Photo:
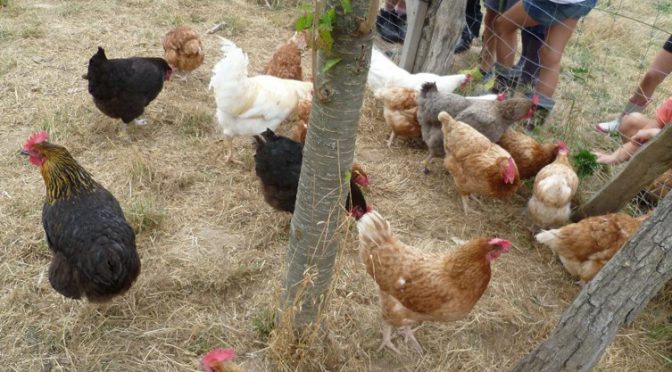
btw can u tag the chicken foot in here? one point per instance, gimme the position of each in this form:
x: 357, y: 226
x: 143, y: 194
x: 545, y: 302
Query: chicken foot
x: 387, y: 339
x: 407, y: 331
x: 425, y: 163
x: 140, y: 122
x: 229, y: 155
x: 389, y: 140
x: 123, y: 132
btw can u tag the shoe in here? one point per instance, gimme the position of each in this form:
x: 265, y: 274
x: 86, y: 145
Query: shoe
x: 504, y: 84
x: 463, y: 45
x: 608, y: 126
x: 538, y: 119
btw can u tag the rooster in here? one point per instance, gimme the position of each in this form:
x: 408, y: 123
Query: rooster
x: 417, y: 286
x: 477, y: 165
x: 586, y: 246
x: 249, y: 105
x: 183, y: 49
x: 400, y: 112
x: 122, y: 87
x: 383, y: 73
x: 278, y: 165
x: 286, y: 61
x: 554, y: 188
x: 93, y: 245
x: 530, y: 155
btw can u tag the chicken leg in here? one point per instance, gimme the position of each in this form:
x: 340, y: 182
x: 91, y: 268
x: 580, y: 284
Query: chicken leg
x: 387, y: 339
x: 389, y: 141
x: 229, y: 155
x: 123, y: 132
x: 407, y: 331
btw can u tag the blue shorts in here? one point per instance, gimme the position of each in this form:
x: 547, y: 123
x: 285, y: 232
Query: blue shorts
x: 494, y: 5
x: 548, y: 13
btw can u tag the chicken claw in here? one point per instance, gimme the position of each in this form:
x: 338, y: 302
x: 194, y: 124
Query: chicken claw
x: 123, y: 133
x: 387, y: 339
x: 389, y: 141
x: 407, y: 331
x: 140, y: 122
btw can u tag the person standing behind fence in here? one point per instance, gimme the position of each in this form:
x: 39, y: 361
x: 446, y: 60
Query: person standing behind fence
x: 472, y: 28
x: 391, y: 21
x: 560, y: 18
x: 660, y: 68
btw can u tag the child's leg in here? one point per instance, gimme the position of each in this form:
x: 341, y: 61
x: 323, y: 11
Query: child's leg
x: 487, y: 57
x: 633, y: 123
x: 624, y: 153
x: 658, y: 71
x: 506, y: 26
x: 557, y: 36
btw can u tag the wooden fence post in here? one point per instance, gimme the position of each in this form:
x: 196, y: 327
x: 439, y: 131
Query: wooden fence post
x: 416, y: 10
x: 643, y: 168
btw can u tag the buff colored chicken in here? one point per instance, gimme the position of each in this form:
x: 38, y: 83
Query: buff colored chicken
x: 477, y: 165
x: 586, y: 246
x: 530, y: 155
x: 417, y: 286
x: 286, y: 61
x: 247, y: 106
x: 554, y: 188
x: 183, y: 50
x: 400, y: 111
x: 300, y: 129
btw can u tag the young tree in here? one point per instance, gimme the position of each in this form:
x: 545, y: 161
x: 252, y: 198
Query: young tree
x: 614, y: 297
x: 442, y: 28
x: 340, y: 79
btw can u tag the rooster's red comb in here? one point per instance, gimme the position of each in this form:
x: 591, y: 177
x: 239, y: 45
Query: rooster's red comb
x: 535, y: 100
x: 36, y: 138
x: 501, y: 96
x: 500, y: 242
x: 217, y: 356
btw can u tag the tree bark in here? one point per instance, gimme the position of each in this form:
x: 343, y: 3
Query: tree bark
x: 315, y: 230
x: 614, y: 297
x: 645, y: 166
x: 443, y: 27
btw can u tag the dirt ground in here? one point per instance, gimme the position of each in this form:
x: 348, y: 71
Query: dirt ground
x: 212, y: 251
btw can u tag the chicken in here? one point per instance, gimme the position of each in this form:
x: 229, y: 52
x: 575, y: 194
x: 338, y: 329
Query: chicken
x: 530, y: 155
x: 493, y: 118
x: 400, y: 112
x: 93, y: 245
x: 417, y: 286
x: 300, y: 129
x: 183, y: 50
x: 554, y: 188
x: 383, y: 73
x: 249, y: 105
x: 661, y: 186
x: 122, y: 87
x: 278, y: 165
x: 584, y: 247
x: 220, y: 360
x: 431, y: 102
x: 286, y: 61
x: 477, y: 165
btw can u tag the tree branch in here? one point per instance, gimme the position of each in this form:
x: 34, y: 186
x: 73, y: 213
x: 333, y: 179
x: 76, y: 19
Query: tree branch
x: 366, y: 26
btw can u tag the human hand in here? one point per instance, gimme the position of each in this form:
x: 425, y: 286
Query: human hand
x: 644, y: 135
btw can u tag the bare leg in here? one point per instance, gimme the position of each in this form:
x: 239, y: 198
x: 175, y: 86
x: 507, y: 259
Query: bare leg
x: 487, y: 57
x: 660, y: 68
x: 550, y: 55
x: 409, y: 336
x: 389, y: 141
x: 506, y: 27
x: 387, y: 338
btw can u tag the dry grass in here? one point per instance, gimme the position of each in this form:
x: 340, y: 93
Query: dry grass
x: 212, y: 250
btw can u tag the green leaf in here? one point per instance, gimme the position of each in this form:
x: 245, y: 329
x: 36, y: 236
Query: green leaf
x: 347, y: 177
x: 347, y: 6
x: 323, y: 27
x: 585, y: 163
x: 304, y: 22
x: 307, y: 7
x: 330, y: 15
x: 327, y: 40
x: 329, y: 64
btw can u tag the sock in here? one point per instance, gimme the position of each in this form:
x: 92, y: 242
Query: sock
x: 504, y: 71
x: 631, y: 107
x: 545, y: 102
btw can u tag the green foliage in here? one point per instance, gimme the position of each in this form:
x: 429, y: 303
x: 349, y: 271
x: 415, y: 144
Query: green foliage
x: 580, y: 73
x: 325, y: 25
x: 347, y: 6
x: 263, y: 323
x: 585, y: 163
x: 330, y: 63
x: 664, y: 6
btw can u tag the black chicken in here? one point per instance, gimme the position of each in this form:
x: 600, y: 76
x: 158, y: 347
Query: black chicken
x: 121, y: 88
x: 93, y: 245
x: 278, y: 166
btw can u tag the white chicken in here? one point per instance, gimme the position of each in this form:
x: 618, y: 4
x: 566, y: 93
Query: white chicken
x: 249, y: 105
x: 554, y: 188
x: 384, y: 73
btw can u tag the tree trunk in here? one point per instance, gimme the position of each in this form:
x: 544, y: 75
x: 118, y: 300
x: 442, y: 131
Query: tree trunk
x: 315, y: 230
x: 443, y: 27
x: 614, y: 297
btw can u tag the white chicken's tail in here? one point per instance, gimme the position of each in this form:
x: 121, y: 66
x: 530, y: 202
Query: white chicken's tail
x: 382, y: 71
x: 374, y: 230
x: 230, y: 70
x: 548, y: 237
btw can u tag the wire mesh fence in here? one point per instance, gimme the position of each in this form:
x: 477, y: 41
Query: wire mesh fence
x: 619, y: 56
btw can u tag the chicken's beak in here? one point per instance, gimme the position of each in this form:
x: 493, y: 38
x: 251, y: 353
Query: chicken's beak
x: 24, y: 152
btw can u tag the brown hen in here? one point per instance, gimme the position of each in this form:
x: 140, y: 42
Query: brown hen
x: 183, y: 49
